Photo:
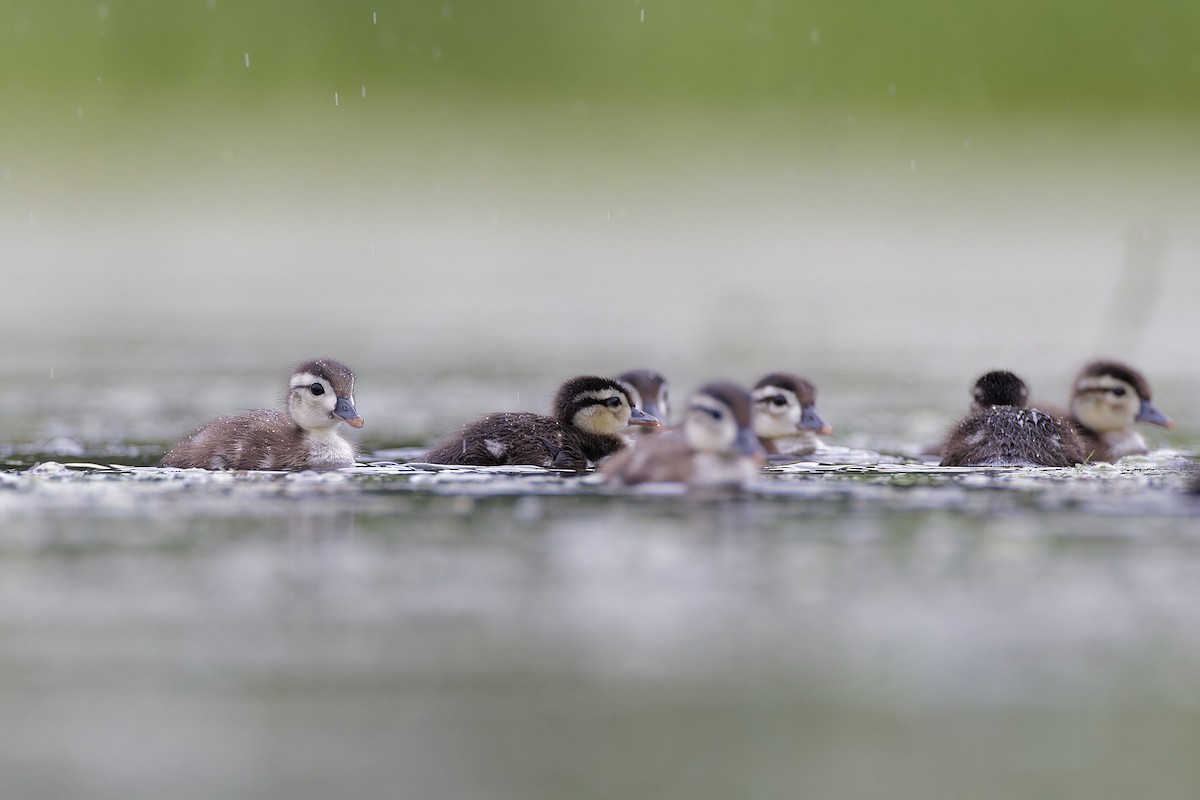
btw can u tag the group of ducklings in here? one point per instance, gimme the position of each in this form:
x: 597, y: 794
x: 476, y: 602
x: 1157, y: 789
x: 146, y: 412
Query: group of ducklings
x: 619, y: 425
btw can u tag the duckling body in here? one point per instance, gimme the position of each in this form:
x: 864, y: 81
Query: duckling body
x: 649, y: 392
x: 589, y: 414
x: 320, y: 396
x: 785, y: 415
x: 1107, y: 400
x: 714, y: 447
x: 999, y: 431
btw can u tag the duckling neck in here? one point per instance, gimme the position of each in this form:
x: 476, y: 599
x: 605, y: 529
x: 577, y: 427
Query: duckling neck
x: 327, y: 446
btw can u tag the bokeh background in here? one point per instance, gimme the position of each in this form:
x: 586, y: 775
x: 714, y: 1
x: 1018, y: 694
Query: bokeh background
x: 468, y: 201
x: 474, y: 199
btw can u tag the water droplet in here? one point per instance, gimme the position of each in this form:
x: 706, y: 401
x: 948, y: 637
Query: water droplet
x: 814, y: 36
x: 79, y: 112
x: 912, y: 165
x: 336, y: 102
x: 364, y: 91
x: 247, y: 58
x: 374, y: 17
x: 892, y: 89
x: 102, y: 11
x: 643, y: 19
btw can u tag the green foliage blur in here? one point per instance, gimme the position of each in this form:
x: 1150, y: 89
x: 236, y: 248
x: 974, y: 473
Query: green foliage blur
x: 1099, y: 58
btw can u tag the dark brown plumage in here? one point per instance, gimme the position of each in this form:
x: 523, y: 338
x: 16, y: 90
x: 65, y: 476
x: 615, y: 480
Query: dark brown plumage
x: 589, y: 413
x: 320, y: 396
x: 1007, y: 435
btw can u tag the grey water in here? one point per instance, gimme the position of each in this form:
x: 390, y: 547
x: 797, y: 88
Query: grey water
x: 852, y: 627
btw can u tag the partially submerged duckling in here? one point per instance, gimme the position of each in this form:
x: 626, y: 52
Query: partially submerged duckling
x: 1108, y: 398
x: 649, y: 392
x: 589, y: 414
x: 785, y: 415
x: 1000, y: 431
x: 714, y: 447
x: 320, y: 396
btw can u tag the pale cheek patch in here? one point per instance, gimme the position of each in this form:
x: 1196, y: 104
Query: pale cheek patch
x: 497, y: 449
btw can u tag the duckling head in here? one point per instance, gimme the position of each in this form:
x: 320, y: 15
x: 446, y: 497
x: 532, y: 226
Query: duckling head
x: 1111, y: 396
x: 1000, y: 388
x: 598, y: 406
x: 648, y: 391
x: 321, y: 395
x: 784, y: 405
x: 720, y: 421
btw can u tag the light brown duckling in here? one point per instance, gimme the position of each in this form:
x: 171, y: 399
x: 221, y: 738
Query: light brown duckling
x: 1107, y: 400
x: 714, y: 447
x: 649, y: 392
x: 589, y: 414
x: 1000, y: 431
x: 320, y: 396
x: 785, y: 415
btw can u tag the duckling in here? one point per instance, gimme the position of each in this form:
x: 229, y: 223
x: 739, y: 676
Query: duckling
x: 785, y: 415
x: 714, y: 447
x: 1000, y: 431
x: 589, y: 414
x: 320, y: 396
x: 649, y: 392
x: 1107, y: 400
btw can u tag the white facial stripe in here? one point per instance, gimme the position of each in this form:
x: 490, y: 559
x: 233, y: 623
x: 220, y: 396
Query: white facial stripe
x: 764, y: 393
x: 601, y: 394
x: 1102, y: 383
x: 308, y: 379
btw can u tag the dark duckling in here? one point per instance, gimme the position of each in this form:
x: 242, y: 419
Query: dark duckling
x: 1107, y: 400
x: 1000, y: 431
x: 714, y: 447
x: 649, y: 392
x: 785, y: 415
x: 320, y: 396
x: 589, y: 414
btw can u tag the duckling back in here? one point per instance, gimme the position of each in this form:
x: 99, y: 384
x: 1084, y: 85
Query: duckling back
x: 1012, y: 437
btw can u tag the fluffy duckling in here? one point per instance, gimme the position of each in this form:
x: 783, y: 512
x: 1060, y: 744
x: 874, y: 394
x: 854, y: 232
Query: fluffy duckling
x: 589, y: 414
x: 714, y: 447
x: 320, y: 396
x: 1107, y: 400
x: 785, y: 415
x: 649, y: 393
x: 1000, y: 431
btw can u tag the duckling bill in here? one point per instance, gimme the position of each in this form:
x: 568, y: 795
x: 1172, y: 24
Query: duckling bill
x: 320, y: 396
x: 650, y: 393
x: 589, y: 414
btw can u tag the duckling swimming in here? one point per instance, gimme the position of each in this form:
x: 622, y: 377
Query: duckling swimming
x: 589, y: 414
x: 649, y: 393
x: 785, y: 415
x: 1000, y: 431
x: 715, y: 446
x: 1107, y: 400
x: 320, y: 396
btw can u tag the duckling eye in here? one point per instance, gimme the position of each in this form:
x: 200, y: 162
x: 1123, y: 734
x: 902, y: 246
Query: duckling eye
x: 317, y: 389
x: 1118, y: 391
x: 779, y: 400
x: 613, y: 402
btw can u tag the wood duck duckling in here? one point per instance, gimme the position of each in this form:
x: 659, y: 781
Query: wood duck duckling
x: 1000, y: 431
x: 589, y: 414
x: 320, y: 396
x: 714, y: 447
x: 785, y: 415
x: 649, y: 392
x: 1107, y: 400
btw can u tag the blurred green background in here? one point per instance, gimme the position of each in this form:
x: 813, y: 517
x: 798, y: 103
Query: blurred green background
x: 535, y: 188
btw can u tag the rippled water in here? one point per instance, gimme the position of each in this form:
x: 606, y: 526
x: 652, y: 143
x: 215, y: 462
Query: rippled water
x: 842, y: 630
